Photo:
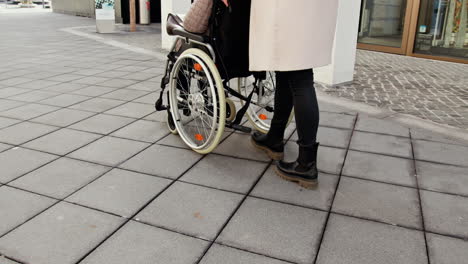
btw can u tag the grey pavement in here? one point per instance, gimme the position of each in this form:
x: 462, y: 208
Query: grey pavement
x: 90, y: 174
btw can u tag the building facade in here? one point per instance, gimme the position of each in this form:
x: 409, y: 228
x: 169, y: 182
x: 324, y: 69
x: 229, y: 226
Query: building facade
x: 435, y: 29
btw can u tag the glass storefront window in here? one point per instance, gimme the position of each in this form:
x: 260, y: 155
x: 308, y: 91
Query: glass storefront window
x: 443, y: 28
x: 382, y: 22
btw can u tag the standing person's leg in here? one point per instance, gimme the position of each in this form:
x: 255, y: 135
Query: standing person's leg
x: 304, y: 170
x: 272, y: 143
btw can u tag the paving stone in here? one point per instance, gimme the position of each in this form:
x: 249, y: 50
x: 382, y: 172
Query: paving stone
x: 17, y: 206
x: 143, y: 130
x: 239, y: 145
x: 23, y: 132
x: 380, y: 168
x: 60, y: 178
x: 12, y: 91
x: 18, y: 161
x: 8, y: 104
x: 102, y: 124
x: 375, y: 125
x: 227, y: 255
x: 337, y: 120
x: 443, y: 178
x: 378, y: 201
x: 148, y: 99
x: 382, y: 144
x: 61, y: 235
x: 329, y: 160
x: 28, y: 111
x: 62, y: 141
x: 63, y: 117
x: 37, y: 84
x: 4, y: 122
x: 139, y: 243
x: 175, y: 140
x: 94, y: 90
x: 272, y: 187
x: 33, y: 96
x: 332, y: 137
x: 273, y: 229
x: 124, y: 94
x: 355, y: 241
x: 117, y: 83
x: 90, y: 80
x: 15, y: 81
x: 97, y: 105
x: 135, y: 110
x: 132, y: 68
x: 120, y: 192
x: 333, y: 108
x: 446, y: 250
x: 89, y: 72
x: 162, y: 161
x: 66, y: 87
x: 191, y: 209
x: 139, y: 76
x: 4, y: 260
x: 145, y: 86
x: 445, y: 213
x: 65, y: 100
x: 157, y: 116
x: 225, y: 173
x: 431, y: 136
x: 113, y: 73
x: 439, y: 152
x: 109, y: 151
x: 4, y: 147
x: 172, y: 140
x: 67, y: 77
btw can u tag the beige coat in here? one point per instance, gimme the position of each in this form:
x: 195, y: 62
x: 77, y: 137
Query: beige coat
x: 287, y: 35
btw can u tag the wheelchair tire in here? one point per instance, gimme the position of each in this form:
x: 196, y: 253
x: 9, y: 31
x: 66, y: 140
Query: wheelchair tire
x: 170, y: 124
x: 197, y: 99
x: 258, y: 113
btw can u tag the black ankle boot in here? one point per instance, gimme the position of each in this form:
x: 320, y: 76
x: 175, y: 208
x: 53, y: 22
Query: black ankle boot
x: 304, y: 170
x: 272, y: 145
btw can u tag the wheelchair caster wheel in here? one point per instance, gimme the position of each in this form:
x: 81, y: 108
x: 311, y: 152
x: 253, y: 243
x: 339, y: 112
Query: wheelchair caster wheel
x: 230, y: 110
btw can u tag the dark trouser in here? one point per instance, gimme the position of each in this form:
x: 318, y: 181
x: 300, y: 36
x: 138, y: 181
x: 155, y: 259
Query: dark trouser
x: 296, y: 88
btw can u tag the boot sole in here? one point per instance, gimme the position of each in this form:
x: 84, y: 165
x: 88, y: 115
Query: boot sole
x: 273, y: 155
x: 307, y: 184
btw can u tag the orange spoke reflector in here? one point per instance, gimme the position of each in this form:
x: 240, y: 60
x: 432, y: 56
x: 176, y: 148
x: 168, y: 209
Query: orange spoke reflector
x: 262, y: 116
x: 197, y: 67
x: 199, y: 137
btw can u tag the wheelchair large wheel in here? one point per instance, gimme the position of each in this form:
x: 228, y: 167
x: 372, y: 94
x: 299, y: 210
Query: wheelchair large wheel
x: 260, y: 112
x: 197, y: 101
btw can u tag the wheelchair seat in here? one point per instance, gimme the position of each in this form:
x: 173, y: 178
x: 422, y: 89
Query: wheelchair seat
x: 175, y: 27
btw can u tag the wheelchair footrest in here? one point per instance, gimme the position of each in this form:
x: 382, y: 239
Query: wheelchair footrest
x: 240, y: 128
x: 159, y: 105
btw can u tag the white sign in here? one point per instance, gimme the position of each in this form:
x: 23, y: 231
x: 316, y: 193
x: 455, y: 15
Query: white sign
x: 105, y: 14
x: 105, y: 10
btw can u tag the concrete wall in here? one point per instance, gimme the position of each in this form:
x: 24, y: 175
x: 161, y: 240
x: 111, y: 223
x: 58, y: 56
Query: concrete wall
x: 82, y: 8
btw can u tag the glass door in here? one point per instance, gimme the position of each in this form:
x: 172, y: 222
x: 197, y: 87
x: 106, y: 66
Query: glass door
x: 442, y: 29
x: 384, y: 25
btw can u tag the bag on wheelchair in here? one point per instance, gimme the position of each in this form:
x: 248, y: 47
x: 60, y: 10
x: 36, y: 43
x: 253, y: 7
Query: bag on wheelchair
x: 230, y: 34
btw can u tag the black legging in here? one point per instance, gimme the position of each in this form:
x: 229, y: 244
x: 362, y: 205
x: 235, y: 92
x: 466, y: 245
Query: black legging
x: 296, y: 88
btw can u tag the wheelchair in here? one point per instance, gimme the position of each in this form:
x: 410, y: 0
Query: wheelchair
x: 202, y: 96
